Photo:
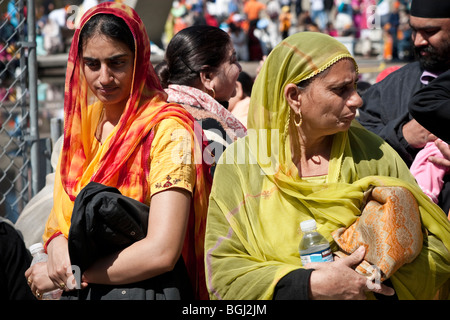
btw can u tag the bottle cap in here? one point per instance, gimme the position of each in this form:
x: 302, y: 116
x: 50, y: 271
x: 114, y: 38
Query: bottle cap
x: 35, y: 248
x: 308, y: 225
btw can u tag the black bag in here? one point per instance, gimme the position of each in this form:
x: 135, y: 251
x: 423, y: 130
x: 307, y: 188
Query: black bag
x: 105, y: 221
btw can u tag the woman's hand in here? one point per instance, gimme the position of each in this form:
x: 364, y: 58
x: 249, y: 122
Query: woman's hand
x: 59, y: 267
x: 337, y: 280
x: 38, y: 279
x: 445, y: 150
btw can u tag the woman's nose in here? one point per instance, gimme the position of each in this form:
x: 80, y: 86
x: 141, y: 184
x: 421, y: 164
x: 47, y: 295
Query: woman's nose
x: 105, y: 75
x: 355, y: 100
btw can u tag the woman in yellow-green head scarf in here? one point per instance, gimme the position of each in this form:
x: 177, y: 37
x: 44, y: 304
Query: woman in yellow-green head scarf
x: 306, y: 158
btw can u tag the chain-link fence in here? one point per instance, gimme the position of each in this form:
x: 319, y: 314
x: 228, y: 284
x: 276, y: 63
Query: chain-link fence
x: 22, y: 153
x: 25, y: 148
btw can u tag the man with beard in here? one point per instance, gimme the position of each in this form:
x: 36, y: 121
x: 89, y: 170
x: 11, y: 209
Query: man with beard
x: 385, y: 109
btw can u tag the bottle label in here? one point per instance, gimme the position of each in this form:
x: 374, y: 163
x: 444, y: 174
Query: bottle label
x: 319, y: 256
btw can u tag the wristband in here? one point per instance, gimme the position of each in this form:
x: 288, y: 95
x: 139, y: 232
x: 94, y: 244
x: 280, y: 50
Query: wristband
x: 56, y: 234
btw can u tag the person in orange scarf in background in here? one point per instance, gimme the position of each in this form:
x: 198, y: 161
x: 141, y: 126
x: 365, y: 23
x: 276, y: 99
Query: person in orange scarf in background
x: 253, y: 8
x: 129, y: 138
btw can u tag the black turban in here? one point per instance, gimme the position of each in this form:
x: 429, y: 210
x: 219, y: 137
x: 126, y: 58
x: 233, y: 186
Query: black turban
x: 430, y: 8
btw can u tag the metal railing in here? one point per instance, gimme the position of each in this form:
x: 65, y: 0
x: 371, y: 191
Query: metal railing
x: 23, y: 155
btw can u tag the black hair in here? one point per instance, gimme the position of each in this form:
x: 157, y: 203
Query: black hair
x: 192, y: 50
x: 108, y: 25
x: 306, y: 83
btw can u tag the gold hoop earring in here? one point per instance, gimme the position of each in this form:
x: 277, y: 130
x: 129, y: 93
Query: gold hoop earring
x: 300, y: 121
x: 213, y: 93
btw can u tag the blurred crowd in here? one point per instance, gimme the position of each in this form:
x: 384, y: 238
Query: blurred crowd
x: 256, y: 26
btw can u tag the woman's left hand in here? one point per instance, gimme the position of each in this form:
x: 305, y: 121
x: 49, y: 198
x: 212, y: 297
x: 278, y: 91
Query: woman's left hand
x: 38, y: 279
x: 339, y: 281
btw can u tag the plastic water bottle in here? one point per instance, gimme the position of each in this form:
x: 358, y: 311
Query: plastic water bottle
x: 313, y: 247
x: 39, y: 255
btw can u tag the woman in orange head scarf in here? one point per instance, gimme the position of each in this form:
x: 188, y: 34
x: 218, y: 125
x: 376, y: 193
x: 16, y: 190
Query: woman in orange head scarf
x: 120, y: 132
